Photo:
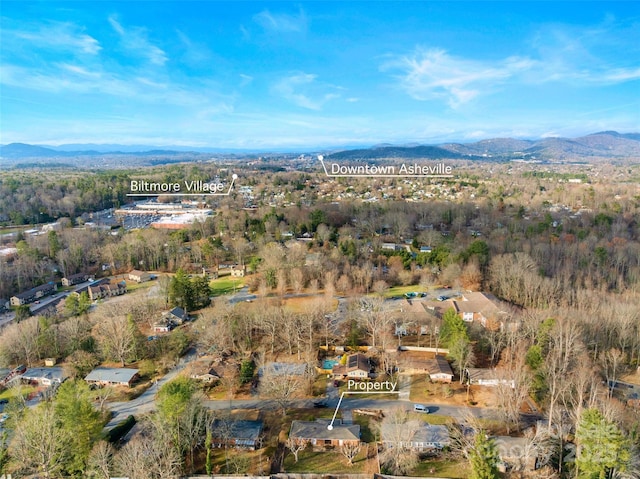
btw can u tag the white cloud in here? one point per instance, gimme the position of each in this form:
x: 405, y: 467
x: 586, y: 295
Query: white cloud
x: 53, y: 36
x: 245, y: 79
x: 135, y: 40
x: 281, y: 22
x: 303, y: 90
x: 434, y: 74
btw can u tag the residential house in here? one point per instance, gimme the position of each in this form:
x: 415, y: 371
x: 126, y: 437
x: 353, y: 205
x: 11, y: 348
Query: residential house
x: 356, y: 367
x: 44, y: 376
x: 33, y: 294
x: 480, y: 307
x: 440, y: 370
x: 426, y: 249
x: 320, y: 436
x: 202, y: 371
x: 238, y: 272
x: 176, y: 315
x: 139, y: 276
x: 237, y: 433
x: 415, y: 435
x: 12, y: 375
x: 389, y: 246
x: 112, y: 376
x: 75, y: 279
x: 163, y: 326
x: 516, y: 453
x: 488, y: 377
x: 410, y: 362
x: 105, y: 288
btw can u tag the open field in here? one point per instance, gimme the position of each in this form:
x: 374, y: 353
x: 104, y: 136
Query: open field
x: 442, y: 468
x: 225, y: 285
x: 327, y: 462
x: 424, y: 391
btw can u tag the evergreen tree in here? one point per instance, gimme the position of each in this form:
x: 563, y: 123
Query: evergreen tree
x: 602, y: 447
x: 181, y: 291
x: 453, y: 328
x: 80, y: 419
x: 483, y: 458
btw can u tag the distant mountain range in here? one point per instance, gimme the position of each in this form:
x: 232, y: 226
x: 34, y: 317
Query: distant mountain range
x: 605, y: 144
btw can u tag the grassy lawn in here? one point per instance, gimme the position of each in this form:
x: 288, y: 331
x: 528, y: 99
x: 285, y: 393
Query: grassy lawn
x: 319, y: 387
x: 444, y: 468
x: 401, y: 290
x: 423, y: 390
x: 238, y: 461
x: 134, y: 286
x: 225, y: 285
x: 437, y: 419
x: 23, y: 389
x: 324, y: 462
x: 367, y: 431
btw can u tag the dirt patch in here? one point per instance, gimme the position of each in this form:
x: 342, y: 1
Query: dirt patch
x: 454, y: 394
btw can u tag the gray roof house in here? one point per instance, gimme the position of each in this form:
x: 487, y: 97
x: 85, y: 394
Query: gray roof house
x: 44, y: 376
x: 416, y: 435
x: 112, y: 376
x: 320, y: 436
x: 177, y: 315
x: 238, y: 434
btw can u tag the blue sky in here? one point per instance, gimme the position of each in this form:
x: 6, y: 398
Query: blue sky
x: 315, y: 74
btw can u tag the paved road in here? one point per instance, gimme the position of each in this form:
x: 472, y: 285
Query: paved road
x: 146, y: 401
x: 6, y: 318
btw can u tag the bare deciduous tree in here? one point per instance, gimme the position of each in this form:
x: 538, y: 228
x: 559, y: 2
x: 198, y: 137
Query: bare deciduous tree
x: 350, y: 450
x: 397, y: 430
x: 40, y: 443
x: 295, y: 445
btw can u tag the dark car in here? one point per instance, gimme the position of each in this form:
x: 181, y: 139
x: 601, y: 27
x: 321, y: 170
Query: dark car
x: 320, y: 404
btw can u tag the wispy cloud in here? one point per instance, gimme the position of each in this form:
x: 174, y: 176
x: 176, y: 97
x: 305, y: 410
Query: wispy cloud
x: 51, y: 36
x: 282, y: 22
x: 435, y: 74
x: 195, y: 53
x: 303, y: 90
x: 245, y: 79
x: 135, y: 40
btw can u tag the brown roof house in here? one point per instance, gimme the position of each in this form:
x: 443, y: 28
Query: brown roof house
x: 139, y: 276
x: 105, y: 289
x: 318, y: 434
x: 481, y: 307
x: 440, y: 370
x: 202, y: 371
x: 489, y: 377
x: 357, y: 367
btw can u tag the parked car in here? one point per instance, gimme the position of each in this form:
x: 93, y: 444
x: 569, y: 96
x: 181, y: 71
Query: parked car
x: 421, y: 408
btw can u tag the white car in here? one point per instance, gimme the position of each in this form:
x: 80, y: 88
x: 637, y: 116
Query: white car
x: 421, y: 408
